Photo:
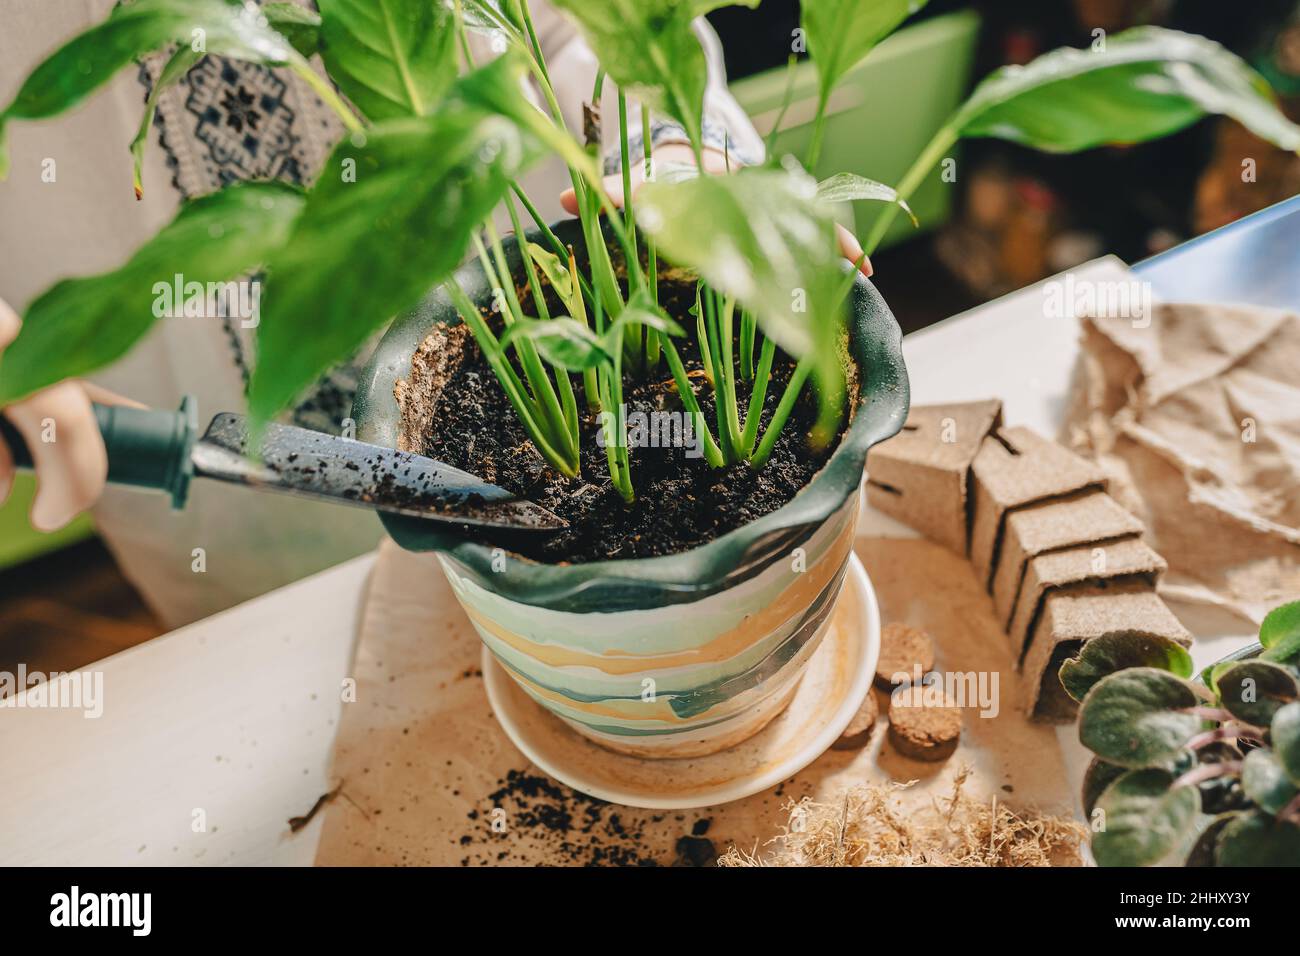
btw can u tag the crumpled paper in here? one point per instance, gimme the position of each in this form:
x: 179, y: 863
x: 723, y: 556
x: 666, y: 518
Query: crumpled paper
x: 1196, y: 418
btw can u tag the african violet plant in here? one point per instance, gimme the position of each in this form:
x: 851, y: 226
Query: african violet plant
x: 1208, y: 767
x: 435, y: 138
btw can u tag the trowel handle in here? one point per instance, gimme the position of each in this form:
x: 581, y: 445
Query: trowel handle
x: 147, y: 447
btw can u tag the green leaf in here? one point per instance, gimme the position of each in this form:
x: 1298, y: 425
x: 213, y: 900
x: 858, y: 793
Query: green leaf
x: 80, y: 325
x: 762, y: 236
x: 846, y: 187
x: 1115, y: 652
x: 561, y: 341
x: 1145, y: 817
x: 389, y: 218
x: 1096, y: 779
x: 1254, y: 690
x: 651, y: 51
x: 1146, y: 83
x: 556, y: 272
x: 89, y: 60
x: 392, y: 58
x: 299, y: 25
x: 1265, y: 781
x: 840, y: 33
x: 1280, y: 633
x: 180, y: 63
x: 1132, y: 717
x: 1257, y: 839
x: 1286, y: 739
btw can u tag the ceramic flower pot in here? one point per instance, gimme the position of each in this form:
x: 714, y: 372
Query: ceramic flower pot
x: 670, y: 656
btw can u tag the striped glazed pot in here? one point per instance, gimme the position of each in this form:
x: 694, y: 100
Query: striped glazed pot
x: 671, y: 656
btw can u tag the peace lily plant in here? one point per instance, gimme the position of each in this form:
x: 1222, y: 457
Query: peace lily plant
x: 1207, y: 768
x: 434, y: 137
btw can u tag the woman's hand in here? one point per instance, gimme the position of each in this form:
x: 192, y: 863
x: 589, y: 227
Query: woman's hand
x: 714, y: 163
x: 71, y: 467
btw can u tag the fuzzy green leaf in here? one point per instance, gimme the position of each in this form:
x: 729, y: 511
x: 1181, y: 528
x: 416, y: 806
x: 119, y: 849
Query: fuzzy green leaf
x: 762, y: 236
x: 1144, y: 818
x: 91, y: 59
x: 1286, y: 739
x: 1133, y: 717
x: 1254, y: 690
x: 1096, y: 779
x: 80, y: 325
x: 1265, y: 781
x: 392, y: 58
x: 1280, y: 633
x: 1115, y: 652
x: 1257, y: 839
x: 840, y: 33
x: 389, y: 218
x: 1146, y: 83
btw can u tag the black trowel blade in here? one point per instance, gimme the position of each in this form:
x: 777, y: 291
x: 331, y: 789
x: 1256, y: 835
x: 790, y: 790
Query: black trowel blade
x: 316, y: 465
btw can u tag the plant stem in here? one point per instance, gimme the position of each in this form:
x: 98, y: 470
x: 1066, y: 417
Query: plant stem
x: 629, y: 217
x: 590, y: 385
x: 747, y: 325
x: 652, y: 267
x: 702, y: 338
x: 712, y: 454
x: 728, y: 370
x: 754, y: 413
x: 1208, y: 771
x: 534, y: 371
x: 788, y: 398
x: 325, y: 91
x: 770, y: 144
x: 510, y: 383
x: 556, y: 246
x: 729, y: 451
x: 934, y: 151
x: 819, y: 130
x: 568, y: 404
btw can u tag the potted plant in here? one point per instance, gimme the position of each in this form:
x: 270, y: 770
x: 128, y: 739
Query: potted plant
x: 1206, y: 770
x: 720, y: 299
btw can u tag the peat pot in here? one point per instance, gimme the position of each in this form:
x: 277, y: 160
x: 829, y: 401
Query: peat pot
x: 672, y: 656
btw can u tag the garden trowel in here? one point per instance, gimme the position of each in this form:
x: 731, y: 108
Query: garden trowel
x: 164, y: 451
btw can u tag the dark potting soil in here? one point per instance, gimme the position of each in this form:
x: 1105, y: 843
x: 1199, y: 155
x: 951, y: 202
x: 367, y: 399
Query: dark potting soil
x: 680, y: 503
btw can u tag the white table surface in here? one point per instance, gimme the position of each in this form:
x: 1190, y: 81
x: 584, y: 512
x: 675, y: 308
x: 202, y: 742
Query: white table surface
x: 234, y: 716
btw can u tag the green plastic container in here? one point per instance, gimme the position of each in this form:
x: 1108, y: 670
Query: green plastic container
x: 881, y: 116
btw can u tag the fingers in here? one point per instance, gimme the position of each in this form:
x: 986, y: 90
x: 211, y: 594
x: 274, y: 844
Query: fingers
x: 613, y: 189
x: 9, y: 326
x: 851, y: 249
x: 61, y: 432
x: 102, y: 396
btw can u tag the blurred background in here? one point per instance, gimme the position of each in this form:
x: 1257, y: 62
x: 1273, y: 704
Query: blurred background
x: 1008, y: 217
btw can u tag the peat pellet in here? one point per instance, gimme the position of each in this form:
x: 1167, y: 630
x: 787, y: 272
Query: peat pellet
x: 923, y: 730
x: 858, y: 732
x: 903, y: 649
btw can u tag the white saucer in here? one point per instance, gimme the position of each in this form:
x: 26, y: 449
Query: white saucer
x: 836, y: 682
